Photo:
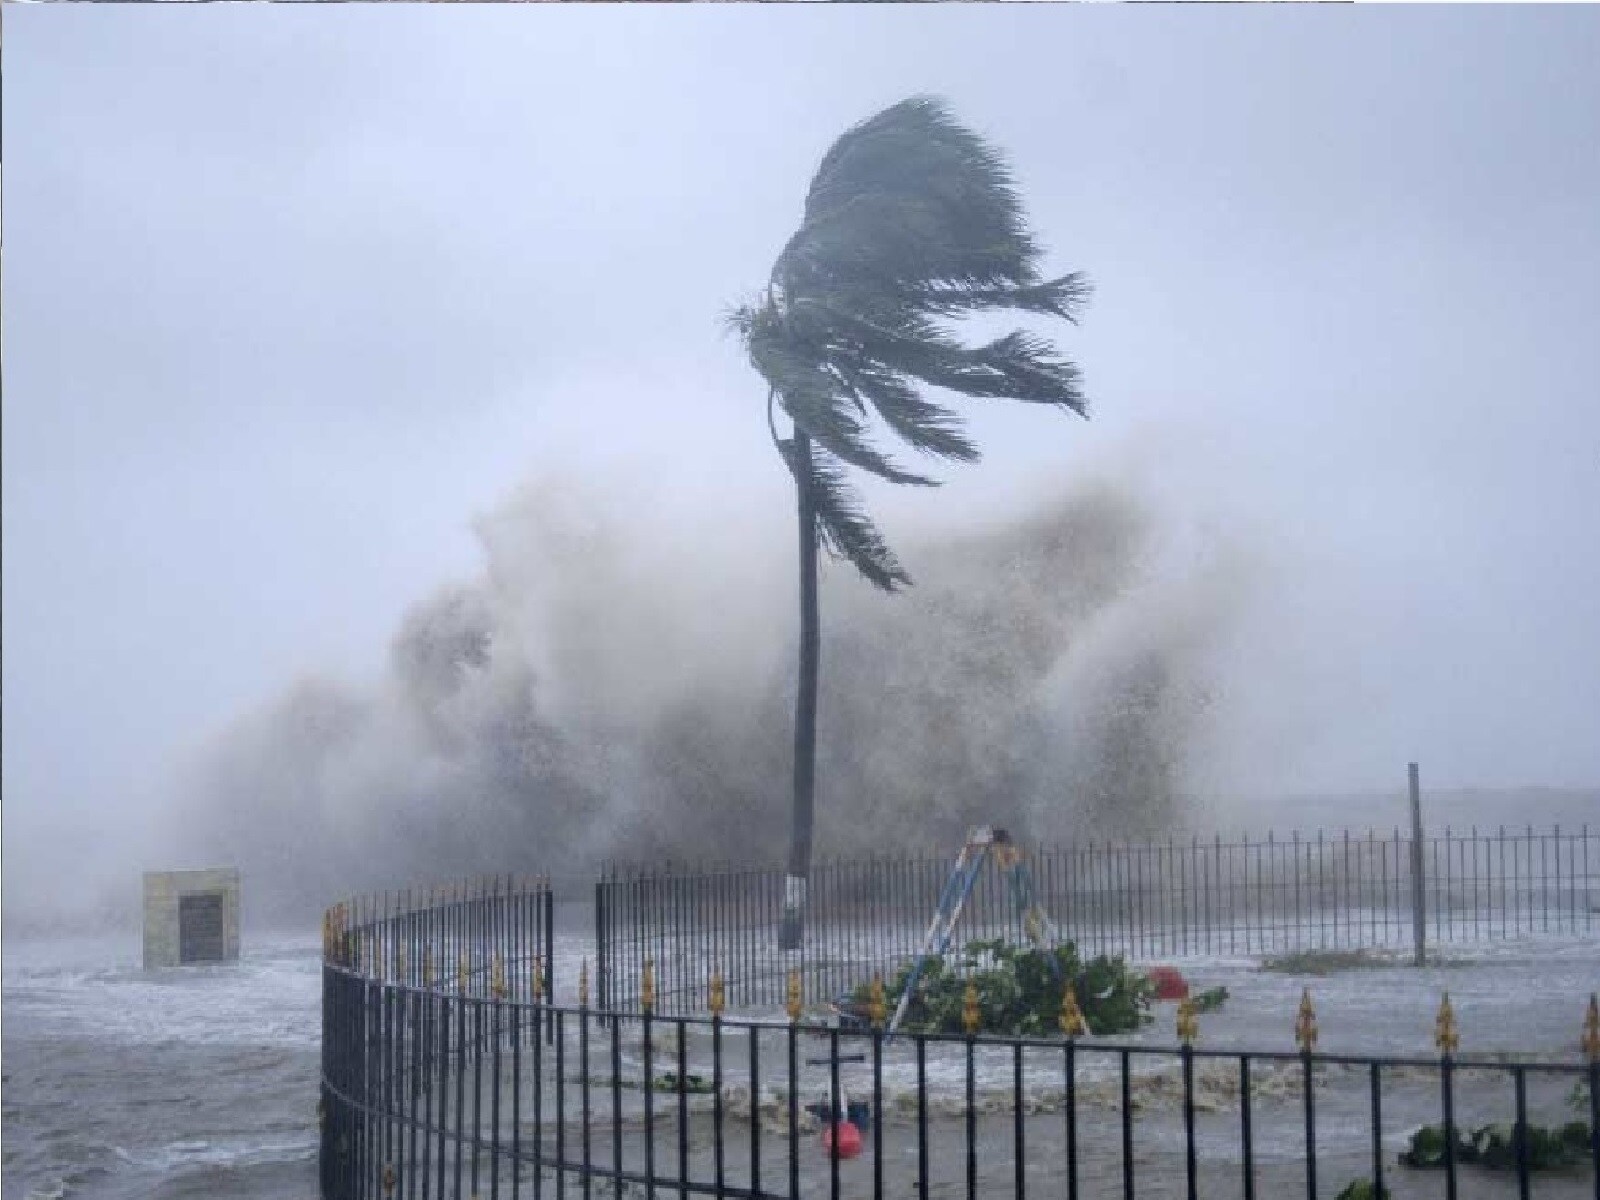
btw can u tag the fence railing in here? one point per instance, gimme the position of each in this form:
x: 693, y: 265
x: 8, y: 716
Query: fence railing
x: 464, y: 931
x: 473, y: 1083
x: 1273, y: 895
x: 484, y: 937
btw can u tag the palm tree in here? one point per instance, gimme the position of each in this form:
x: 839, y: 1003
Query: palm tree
x: 912, y: 222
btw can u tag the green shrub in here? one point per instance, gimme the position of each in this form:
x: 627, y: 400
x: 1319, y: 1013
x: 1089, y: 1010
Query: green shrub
x: 1018, y: 992
x: 1427, y: 1148
x: 1494, y: 1147
x: 1575, y: 1137
x: 1209, y: 1000
x: 1363, y: 1189
x: 1578, y: 1098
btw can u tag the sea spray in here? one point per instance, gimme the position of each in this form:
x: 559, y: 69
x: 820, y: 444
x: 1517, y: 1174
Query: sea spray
x: 609, y: 689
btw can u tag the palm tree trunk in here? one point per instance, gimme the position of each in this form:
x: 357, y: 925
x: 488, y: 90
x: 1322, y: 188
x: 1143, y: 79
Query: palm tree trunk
x: 805, y: 708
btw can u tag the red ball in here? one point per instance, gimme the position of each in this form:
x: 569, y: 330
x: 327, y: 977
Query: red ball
x: 848, y: 1137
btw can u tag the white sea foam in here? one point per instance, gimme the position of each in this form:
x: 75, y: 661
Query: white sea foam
x: 269, y: 997
x: 176, y: 1156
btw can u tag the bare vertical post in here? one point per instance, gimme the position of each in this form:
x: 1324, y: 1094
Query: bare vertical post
x: 1419, y: 911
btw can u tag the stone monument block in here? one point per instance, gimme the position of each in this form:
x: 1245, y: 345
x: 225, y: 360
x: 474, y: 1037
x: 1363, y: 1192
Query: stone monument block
x: 191, y: 917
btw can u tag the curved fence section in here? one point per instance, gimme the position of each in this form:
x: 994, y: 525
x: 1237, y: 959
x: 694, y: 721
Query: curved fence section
x: 416, y: 989
x: 451, y: 1071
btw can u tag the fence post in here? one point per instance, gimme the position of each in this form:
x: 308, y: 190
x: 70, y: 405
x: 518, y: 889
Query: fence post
x: 1419, y: 911
x: 548, y: 962
x: 602, y: 950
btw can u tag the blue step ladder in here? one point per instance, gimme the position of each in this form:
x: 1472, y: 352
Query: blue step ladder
x: 1036, y: 925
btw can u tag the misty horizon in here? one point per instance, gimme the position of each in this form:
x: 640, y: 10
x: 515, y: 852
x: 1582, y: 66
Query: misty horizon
x: 384, y: 499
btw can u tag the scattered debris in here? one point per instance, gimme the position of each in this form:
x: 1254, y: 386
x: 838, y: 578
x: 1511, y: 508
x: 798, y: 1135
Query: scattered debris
x: 1326, y: 962
x: 667, y: 1081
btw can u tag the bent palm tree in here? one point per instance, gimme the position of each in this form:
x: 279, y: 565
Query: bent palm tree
x: 911, y: 221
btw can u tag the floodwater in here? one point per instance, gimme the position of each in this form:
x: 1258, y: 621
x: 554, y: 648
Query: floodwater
x: 1526, y: 998
x: 194, y: 1082
x: 203, y: 1081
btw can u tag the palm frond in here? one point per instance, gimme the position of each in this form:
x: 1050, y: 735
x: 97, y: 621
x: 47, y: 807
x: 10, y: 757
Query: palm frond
x: 1018, y: 366
x: 1026, y: 367
x: 928, y: 427
x: 1065, y: 297
x: 815, y: 401
x: 910, y: 194
x: 843, y: 527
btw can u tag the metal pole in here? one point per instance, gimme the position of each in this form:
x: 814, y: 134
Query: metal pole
x: 547, y: 960
x: 1419, y: 911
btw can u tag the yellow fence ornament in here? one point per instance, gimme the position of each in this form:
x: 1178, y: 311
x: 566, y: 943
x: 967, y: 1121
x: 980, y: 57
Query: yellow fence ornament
x: 1188, y: 1024
x: 1305, y: 1023
x: 876, y: 1008
x: 1072, y: 1022
x: 1444, y: 1028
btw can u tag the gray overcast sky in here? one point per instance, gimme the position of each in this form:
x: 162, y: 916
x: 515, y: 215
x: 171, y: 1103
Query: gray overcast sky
x: 291, y: 293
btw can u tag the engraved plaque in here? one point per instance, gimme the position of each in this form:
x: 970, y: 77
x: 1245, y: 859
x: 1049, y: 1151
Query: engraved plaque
x: 200, y: 928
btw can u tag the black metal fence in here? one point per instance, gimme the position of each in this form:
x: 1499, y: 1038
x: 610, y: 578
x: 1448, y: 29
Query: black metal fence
x: 484, y: 937
x: 1210, y: 897
x: 466, y: 931
x: 474, y: 1084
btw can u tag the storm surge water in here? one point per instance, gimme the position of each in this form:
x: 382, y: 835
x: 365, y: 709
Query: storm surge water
x: 191, y: 1082
x: 607, y: 690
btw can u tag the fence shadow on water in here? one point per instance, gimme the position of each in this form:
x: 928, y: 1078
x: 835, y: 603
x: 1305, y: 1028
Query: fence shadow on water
x: 449, y: 1072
